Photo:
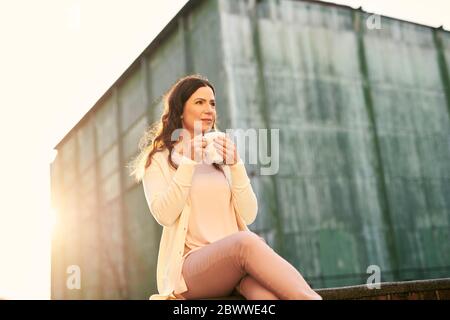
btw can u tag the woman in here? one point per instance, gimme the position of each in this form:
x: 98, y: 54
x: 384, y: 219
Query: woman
x: 206, y: 248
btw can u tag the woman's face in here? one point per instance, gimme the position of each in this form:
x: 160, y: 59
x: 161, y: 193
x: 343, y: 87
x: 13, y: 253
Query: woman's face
x: 200, y: 108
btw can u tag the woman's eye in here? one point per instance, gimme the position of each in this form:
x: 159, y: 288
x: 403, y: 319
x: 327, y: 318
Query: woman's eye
x: 200, y: 102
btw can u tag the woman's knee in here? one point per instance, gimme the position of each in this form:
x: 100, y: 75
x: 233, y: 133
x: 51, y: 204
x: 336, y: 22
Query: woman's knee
x: 246, y: 239
x: 244, y: 242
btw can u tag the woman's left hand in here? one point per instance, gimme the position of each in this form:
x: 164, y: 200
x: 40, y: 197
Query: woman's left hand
x: 227, y: 149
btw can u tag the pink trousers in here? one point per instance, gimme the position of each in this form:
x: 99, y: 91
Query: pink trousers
x: 243, y: 262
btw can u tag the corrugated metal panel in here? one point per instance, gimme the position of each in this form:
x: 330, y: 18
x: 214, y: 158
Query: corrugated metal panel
x: 106, y: 126
x: 132, y: 100
x: 144, y: 236
x: 412, y: 119
x: 130, y: 147
x: 86, y: 145
x: 113, y: 262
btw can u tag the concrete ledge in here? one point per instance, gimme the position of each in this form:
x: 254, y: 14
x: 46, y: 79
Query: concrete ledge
x: 434, y: 289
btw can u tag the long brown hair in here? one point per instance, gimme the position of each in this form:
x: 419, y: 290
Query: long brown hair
x: 157, y: 137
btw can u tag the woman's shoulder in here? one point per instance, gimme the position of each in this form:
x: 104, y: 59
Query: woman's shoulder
x: 157, y: 162
x: 160, y: 156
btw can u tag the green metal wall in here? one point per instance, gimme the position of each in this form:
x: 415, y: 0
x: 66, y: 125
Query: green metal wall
x: 364, y: 145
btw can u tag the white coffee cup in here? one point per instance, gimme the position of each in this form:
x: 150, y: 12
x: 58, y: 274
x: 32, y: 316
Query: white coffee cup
x: 212, y: 156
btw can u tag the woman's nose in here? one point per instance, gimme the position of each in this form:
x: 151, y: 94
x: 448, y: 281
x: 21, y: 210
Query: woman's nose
x: 210, y: 109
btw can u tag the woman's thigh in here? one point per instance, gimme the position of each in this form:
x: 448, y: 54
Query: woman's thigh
x: 215, y: 270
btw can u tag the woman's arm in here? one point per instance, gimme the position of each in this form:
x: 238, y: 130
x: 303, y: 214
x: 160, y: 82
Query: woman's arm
x: 244, y: 199
x: 166, y: 200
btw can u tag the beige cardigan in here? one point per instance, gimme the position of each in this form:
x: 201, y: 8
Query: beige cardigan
x: 167, y: 194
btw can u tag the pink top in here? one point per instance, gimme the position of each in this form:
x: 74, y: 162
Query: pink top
x: 212, y: 216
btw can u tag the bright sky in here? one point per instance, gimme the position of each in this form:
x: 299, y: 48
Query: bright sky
x: 57, y: 58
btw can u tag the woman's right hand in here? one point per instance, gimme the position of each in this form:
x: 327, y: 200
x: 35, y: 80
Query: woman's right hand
x: 194, y: 148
